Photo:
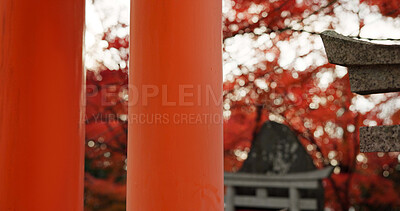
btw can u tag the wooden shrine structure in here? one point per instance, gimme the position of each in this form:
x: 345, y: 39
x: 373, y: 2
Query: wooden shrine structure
x: 293, y: 183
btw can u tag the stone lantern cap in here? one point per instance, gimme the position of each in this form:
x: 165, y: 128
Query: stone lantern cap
x: 373, y: 68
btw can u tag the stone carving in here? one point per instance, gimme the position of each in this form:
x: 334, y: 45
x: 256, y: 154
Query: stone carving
x: 277, y: 151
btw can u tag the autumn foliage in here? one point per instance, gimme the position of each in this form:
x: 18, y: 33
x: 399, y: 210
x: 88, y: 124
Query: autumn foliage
x: 106, y: 133
x: 306, y: 93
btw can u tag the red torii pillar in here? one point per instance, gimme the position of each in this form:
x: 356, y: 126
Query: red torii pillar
x: 41, y: 112
x: 175, y: 151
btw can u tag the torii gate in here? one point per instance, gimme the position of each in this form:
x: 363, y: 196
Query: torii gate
x: 175, y: 43
x: 373, y: 68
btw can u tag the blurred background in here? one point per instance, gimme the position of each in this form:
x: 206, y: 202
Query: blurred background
x: 275, y: 69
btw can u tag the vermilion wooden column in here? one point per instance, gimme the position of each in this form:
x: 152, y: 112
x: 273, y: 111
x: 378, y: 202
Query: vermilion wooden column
x: 175, y: 159
x: 41, y: 117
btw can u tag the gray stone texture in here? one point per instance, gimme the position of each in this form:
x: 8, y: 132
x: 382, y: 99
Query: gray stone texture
x: 380, y: 139
x: 346, y: 51
x: 276, y: 150
x: 373, y: 68
x: 372, y: 79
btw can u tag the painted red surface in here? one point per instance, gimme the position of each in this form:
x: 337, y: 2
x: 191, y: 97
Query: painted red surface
x: 175, y: 164
x: 41, y: 109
